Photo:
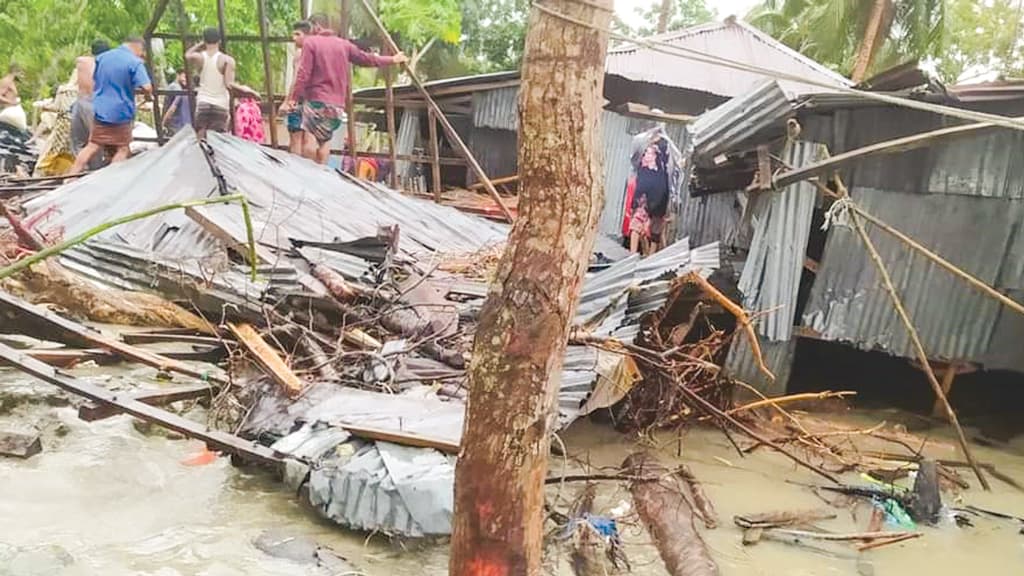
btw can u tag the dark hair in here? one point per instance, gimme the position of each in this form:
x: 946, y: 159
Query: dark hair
x: 211, y: 36
x: 319, y: 20
x: 303, y: 26
x: 134, y: 40
x: 99, y: 46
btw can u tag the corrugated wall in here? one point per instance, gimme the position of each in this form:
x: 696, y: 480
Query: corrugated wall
x: 497, y: 152
x: 955, y: 321
x: 407, y: 139
x: 497, y: 109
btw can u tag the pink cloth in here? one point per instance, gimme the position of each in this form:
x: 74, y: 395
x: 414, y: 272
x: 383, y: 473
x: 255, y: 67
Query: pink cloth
x: 249, y: 121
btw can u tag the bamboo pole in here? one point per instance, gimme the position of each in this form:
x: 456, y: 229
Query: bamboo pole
x: 183, y: 33
x: 922, y: 356
x: 57, y: 249
x: 453, y: 136
x: 268, y: 80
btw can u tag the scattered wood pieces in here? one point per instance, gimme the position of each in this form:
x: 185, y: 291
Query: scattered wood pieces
x: 785, y: 518
x: 397, y: 437
x: 93, y: 411
x: 267, y: 358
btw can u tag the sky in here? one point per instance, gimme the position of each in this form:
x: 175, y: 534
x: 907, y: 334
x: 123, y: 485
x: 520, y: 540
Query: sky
x: 626, y: 9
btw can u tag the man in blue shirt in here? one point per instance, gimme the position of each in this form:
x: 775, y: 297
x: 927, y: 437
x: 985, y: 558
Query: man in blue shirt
x: 119, y: 73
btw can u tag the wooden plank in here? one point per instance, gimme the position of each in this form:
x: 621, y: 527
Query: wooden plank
x: 65, y: 357
x: 93, y: 411
x: 74, y: 334
x: 267, y: 358
x: 497, y: 182
x: 156, y: 337
x: 215, y: 439
x: 396, y: 437
x: 888, y: 147
x: 435, y: 154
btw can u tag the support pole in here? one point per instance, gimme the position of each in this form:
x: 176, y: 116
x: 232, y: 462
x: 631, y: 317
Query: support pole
x: 183, y: 33
x: 453, y: 136
x: 435, y: 164
x: 268, y: 80
x: 221, y: 26
x: 922, y: 356
x: 389, y: 109
x: 158, y: 14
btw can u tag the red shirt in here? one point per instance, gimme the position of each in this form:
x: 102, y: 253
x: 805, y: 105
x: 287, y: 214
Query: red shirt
x: 323, y: 74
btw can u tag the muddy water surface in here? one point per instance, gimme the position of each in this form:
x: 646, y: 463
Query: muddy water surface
x: 105, y: 499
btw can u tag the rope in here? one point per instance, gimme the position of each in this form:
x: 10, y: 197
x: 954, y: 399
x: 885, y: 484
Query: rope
x: 698, y: 56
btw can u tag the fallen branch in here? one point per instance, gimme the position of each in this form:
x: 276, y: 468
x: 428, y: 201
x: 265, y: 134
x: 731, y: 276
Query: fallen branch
x: 700, y: 498
x: 840, y: 537
x: 888, y: 541
x: 600, y: 477
x: 741, y: 316
x: 788, y: 399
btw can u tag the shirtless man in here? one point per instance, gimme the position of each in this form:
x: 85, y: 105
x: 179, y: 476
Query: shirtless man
x: 9, y: 87
x: 81, y: 111
x: 216, y: 84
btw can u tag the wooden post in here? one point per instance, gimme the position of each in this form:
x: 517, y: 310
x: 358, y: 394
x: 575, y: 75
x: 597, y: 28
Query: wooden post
x: 948, y: 375
x: 346, y: 11
x: 453, y: 135
x: 221, y: 26
x: 268, y: 80
x: 183, y: 33
x: 158, y: 14
x: 390, y: 113
x: 435, y: 153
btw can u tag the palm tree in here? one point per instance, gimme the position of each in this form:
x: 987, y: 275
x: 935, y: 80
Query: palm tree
x: 855, y: 36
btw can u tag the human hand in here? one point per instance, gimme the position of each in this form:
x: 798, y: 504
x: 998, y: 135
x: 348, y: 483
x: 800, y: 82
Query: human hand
x: 399, y: 59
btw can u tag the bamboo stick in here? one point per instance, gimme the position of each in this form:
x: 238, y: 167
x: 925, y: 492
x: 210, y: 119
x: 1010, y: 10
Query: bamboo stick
x: 922, y: 356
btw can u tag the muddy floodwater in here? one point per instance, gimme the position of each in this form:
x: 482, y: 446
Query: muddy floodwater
x: 104, y: 498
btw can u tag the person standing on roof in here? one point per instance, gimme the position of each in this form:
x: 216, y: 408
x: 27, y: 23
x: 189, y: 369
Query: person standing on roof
x: 177, y: 110
x: 216, y: 83
x: 322, y: 82
x: 119, y: 73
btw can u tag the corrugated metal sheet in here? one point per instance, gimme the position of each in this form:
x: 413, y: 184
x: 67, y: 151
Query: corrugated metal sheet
x: 715, y: 218
x: 956, y: 322
x: 782, y: 223
x: 406, y: 140
x: 497, y: 109
x: 497, y: 151
x: 733, y: 40
x: 740, y: 120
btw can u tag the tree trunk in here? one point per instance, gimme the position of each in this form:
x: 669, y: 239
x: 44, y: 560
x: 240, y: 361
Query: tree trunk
x: 521, y: 338
x: 664, y: 16
x: 875, y: 34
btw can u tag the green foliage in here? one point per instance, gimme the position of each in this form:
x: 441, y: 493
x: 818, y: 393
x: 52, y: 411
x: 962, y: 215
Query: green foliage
x: 682, y: 14
x: 830, y: 31
x: 984, y: 36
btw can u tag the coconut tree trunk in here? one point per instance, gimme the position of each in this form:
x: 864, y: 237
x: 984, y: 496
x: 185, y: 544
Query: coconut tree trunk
x: 521, y: 337
x: 664, y: 16
x: 875, y: 35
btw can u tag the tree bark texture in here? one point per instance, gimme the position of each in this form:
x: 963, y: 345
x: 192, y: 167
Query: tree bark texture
x: 875, y: 34
x: 669, y: 519
x: 523, y: 329
x: 664, y: 15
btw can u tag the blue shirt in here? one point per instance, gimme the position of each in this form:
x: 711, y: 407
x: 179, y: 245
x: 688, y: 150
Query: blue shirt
x: 118, y: 73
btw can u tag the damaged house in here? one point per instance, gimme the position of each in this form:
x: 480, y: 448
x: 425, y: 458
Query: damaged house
x: 957, y: 191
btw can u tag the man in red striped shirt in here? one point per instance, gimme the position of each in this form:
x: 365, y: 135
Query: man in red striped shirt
x: 321, y: 84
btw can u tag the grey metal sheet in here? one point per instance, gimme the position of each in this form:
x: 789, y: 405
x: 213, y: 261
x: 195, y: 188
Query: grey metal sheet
x: 782, y: 221
x: 733, y: 40
x: 497, y: 109
x: 981, y: 235
x: 497, y: 151
x: 407, y: 139
x: 740, y: 120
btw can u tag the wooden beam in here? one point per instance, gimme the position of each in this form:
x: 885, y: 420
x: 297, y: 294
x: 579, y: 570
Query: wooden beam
x: 207, y: 221
x: 158, y: 14
x: 389, y: 111
x: 497, y: 182
x: 93, y: 411
x: 248, y: 38
x: 64, y: 357
x: 74, y: 334
x: 215, y: 439
x: 267, y: 358
x: 435, y: 154
x: 154, y: 337
x: 825, y: 167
